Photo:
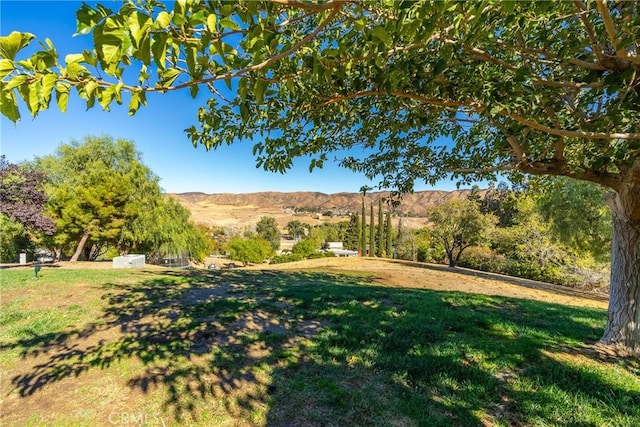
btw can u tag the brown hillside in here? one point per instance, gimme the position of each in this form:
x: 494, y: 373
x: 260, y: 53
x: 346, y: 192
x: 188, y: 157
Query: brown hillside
x: 242, y: 210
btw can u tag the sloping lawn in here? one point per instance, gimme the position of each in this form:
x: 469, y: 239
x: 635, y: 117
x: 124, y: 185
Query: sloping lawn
x: 109, y: 347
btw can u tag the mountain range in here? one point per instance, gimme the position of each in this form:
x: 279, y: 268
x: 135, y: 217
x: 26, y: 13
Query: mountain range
x: 242, y: 210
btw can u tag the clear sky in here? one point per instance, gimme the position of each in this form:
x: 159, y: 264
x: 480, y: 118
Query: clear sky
x: 157, y: 129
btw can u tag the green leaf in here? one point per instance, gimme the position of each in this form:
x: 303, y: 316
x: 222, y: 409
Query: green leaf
x: 167, y: 77
x: 62, y: 95
x: 496, y: 109
x: 381, y: 34
x: 193, y: 90
x: 191, y: 56
x: 229, y: 24
x: 27, y: 63
x: 9, y: 105
x: 159, y: 49
x: 48, y: 83
x: 179, y: 12
x: 163, y: 20
x: 117, y: 92
x: 259, y: 89
x: 134, y: 103
x: 112, y: 42
x: 10, y: 45
x: 87, y: 18
x: 90, y: 58
x: 6, y: 67
x: 74, y: 57
x: 144, y: 50
x: 76, y: 71
x: 139, y: 24
x: 211, y: 23
x: 32, y: 98
x: 105, y: 97
x: 16, y: 81
x: 90, y: 87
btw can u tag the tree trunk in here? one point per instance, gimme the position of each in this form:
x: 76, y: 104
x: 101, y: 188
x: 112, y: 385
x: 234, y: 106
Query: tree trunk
x: 623, y: 320
x: 81, y: 243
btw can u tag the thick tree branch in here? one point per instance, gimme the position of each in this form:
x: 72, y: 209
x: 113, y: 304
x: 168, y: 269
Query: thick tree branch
x: 597, y: 49
x: 554, y: 168
x: 570, y: 133
x: 609, y: 26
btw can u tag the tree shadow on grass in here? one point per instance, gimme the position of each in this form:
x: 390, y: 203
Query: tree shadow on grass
x: 277, y: 348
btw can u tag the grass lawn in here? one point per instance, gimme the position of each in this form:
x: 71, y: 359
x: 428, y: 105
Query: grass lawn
x: 155, y: 347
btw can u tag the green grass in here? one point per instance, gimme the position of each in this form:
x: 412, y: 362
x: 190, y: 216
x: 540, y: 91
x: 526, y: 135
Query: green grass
x: 306, y: 348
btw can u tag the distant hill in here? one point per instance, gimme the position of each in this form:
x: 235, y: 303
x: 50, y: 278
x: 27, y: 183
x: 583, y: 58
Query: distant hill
x: 240, y: 210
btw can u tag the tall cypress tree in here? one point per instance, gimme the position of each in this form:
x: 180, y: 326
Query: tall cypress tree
x: 381, y: 247
x: 372, y: 234
x: 353, y: 233
x: 363, y: 233
x: 389, y: 239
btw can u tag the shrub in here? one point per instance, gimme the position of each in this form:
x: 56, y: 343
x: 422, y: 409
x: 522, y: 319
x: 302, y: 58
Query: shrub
x: 484, y: 259
x: 281, y: 259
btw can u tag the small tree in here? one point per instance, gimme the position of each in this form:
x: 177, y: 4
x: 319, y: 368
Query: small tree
x: 267, y: 229
x: 459, y: 224
x: 254, y: 250
x: 306, y: 247
x: 297, y: 229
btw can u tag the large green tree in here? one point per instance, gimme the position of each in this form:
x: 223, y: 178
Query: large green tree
x: 543, y: 88
x: 93, y: 186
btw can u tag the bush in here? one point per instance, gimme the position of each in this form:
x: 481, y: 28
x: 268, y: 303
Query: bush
x: 296, y: 256
x: 484, y: 259
x: 281, y: 259
x: 423, y: 254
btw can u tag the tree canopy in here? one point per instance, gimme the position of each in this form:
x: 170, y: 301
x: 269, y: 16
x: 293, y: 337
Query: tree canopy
x: 22, y: 196
x: 101, y: 195
x: 543, y: 88
x: 91, y: 187
x: 459, y: 224
x: 267, y: 229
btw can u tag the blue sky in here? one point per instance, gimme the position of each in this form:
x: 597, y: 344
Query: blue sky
x: 157, y: 129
